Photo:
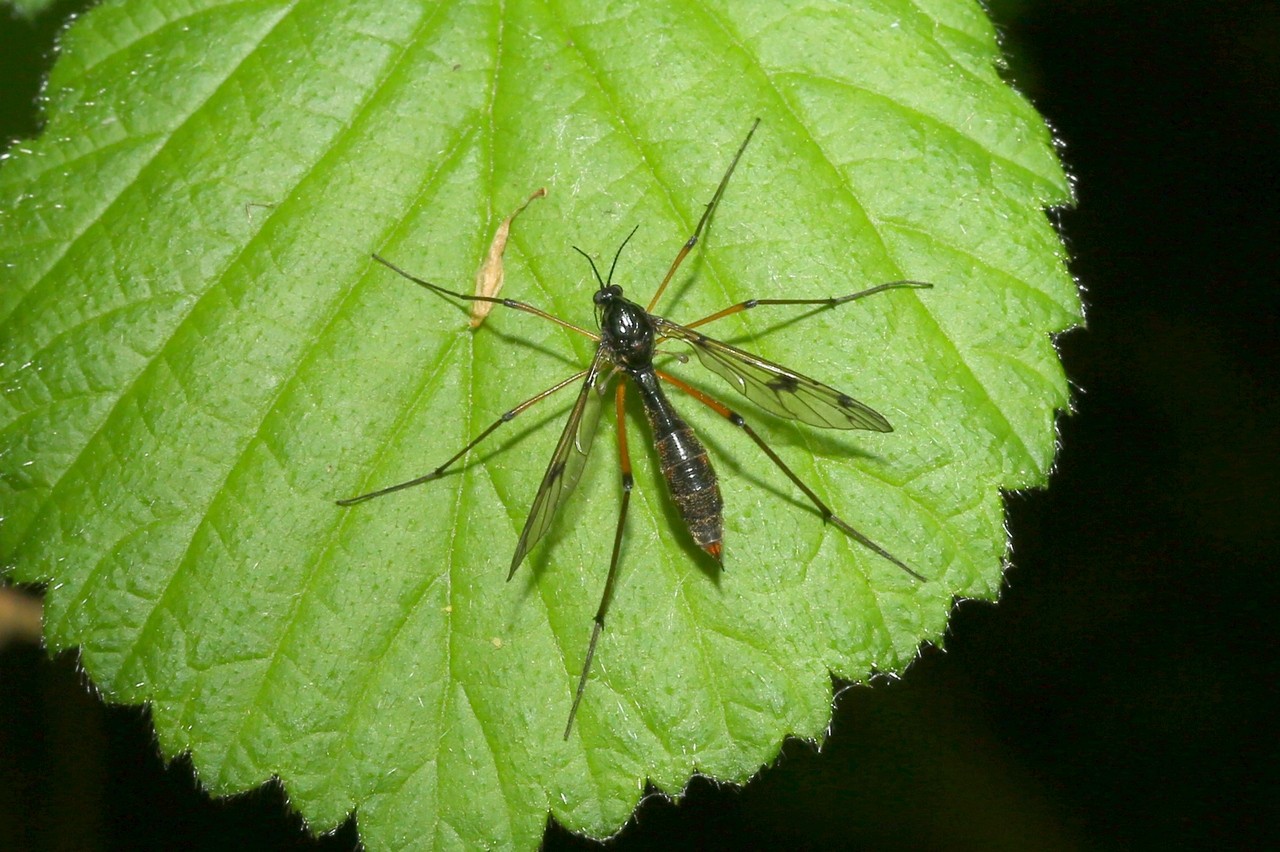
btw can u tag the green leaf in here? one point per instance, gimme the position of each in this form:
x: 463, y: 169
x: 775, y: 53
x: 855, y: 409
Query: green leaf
x: 29, y: 9
x: 199, y: 356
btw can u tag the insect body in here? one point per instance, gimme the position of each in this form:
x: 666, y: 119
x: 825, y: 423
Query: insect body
x: 629, y: 335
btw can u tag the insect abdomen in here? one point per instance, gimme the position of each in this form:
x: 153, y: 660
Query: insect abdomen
x: 686, y: 467
x: 693, y: 486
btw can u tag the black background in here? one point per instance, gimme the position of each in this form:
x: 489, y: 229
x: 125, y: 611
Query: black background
x: 1117, y: 696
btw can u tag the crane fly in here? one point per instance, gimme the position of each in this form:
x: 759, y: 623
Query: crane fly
x: 627, y: 341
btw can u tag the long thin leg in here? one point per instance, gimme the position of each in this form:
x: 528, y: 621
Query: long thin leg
x: 827, y: 515
x: 508, y: 303
x: 624, y: 458
x: 830, y: 302
x: 438, y: 472
x: 702, y: 223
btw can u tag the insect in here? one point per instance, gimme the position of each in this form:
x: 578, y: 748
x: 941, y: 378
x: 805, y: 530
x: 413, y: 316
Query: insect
x: 628, y: 337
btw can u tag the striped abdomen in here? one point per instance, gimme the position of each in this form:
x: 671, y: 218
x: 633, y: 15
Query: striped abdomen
x: 685, y: 466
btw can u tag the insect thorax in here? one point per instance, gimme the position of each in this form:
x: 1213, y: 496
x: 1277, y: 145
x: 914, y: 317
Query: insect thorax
x: 626, y: 329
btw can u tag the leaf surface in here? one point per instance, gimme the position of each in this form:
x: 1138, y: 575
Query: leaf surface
x: 198, y: 357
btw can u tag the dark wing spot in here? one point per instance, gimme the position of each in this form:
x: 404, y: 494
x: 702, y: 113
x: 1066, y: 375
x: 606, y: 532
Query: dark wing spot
x: 846, y: 401
x: 785, y: 384
x: 556, y: 471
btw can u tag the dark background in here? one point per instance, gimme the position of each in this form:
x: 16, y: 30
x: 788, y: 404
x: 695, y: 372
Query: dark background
x: 1117, y: 696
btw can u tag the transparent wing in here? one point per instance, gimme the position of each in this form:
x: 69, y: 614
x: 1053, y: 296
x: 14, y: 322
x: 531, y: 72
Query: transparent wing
x: 566, y: 462
x: 774, y: 388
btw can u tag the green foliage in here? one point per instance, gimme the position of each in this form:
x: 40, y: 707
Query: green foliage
x: 29, y: 8
x: 190, y: 379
